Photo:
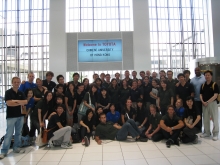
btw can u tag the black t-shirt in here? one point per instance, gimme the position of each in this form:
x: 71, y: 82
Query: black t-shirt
x: 15, y: 111
x: 79, y: 97
x: 135, y: 94
x: 172, y: 85
x: 38, y: 93
x: 88, y: 123
x: 71, y: 98
x: 141, y: 114
x: 52, y: 125
x: 207, y: 91
x: 147, y: 89
x: 124, y: 94
x: 130, y: 113
x: 44, y: 106
x: 155, y: 120
x: 92, y: 98
x: 171, y: 122
x: 184, y: 91
x: 50, y: 85
x: 106, y: 84
x: 104, y: 101
x: 165, y: 97
x: 106, y: 131
x: 114, y: 94
x: 193, y: 113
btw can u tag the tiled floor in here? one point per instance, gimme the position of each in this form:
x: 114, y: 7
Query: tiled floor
x: 118, y: 153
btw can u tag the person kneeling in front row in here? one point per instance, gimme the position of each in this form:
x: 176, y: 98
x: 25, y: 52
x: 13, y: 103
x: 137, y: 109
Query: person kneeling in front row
x: 154, y: 132
x: 109, y: 130
x: 59, y: 133
x: 171, y: 126
x: 191, y: 118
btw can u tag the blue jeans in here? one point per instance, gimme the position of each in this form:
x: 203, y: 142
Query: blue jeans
x: 128, y: 127
x: 13, y: 124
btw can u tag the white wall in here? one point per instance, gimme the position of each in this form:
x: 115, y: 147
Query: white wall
x: 58, y: 44
x: 57, y: 37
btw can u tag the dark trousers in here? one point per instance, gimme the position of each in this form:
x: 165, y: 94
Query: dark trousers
x: 157, y: 136
x: 199, y: 106
x: 84, y: 132
x: 34, y: 126
x: 189, y: 134
x: 174, y: 136
x: 128, y: 127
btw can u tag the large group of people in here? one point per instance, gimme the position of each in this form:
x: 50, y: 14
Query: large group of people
x: 153, y: 107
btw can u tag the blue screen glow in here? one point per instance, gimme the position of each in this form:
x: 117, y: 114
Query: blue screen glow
x: 99, y: 51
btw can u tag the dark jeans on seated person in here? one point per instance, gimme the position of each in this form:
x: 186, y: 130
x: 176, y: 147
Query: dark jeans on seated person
x: 84, y: 132
x: 128, y: 127
x: 189, y: 135
x: 157, y: 136
x: 34, y: 126
x: 174, y: 136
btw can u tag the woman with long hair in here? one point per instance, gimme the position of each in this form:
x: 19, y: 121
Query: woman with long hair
x: 70, y: 103
x: 128, y: 112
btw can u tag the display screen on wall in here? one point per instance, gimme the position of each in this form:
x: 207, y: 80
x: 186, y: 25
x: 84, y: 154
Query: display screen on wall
x: 99, y: 50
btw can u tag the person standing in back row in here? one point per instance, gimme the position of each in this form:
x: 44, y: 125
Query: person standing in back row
x: 208, y: 94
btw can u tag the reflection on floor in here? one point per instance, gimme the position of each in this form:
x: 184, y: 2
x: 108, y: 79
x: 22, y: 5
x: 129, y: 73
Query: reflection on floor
x: 117, y: 153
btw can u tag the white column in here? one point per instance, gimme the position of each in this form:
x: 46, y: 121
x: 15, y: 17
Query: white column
x: 57, y: 50
x: 141, y: 36
x: 215, y: 5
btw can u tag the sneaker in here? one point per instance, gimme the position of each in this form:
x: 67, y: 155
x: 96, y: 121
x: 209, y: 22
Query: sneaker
x: 141, y: 139
x: 70, y: 144
x: 196, y: 140
x: 66, y: 146
x: 19, y: 150
x: 50, y: 142
x: 204, y: 135
x: 83, y: 142
x: 215, y: 138
x: 168, y: 143
x: 2, y: 156
x: 86, y: 141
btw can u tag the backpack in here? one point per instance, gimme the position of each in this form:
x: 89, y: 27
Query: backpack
x: 213, y: 85
x: 12, y: 141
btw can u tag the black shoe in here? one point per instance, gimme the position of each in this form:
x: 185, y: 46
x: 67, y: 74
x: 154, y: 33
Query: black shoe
x: 177, y: 142
x: 168, y: 143
x: 86, y: 141
x: 142, y: 139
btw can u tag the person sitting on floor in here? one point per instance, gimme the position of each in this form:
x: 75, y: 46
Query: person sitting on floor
x: 109, y: 130
x: 171, y: 126
x: 87, y: 123
x: 59, y: 133
x: 191, y: 118
x: 154, y: 132
x: 113, y: 115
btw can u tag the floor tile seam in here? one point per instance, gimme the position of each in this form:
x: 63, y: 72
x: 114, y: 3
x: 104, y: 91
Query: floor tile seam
x: 82, y: 154
x: 143, y: 154
x: 122, y: 153
x: 211, y: 158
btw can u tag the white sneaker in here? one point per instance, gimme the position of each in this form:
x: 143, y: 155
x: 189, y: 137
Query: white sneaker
x: 2, y: 156
x: 66, y: 146
x: 204, y: 135
x: 215, y: 138
x: 50, y: 142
